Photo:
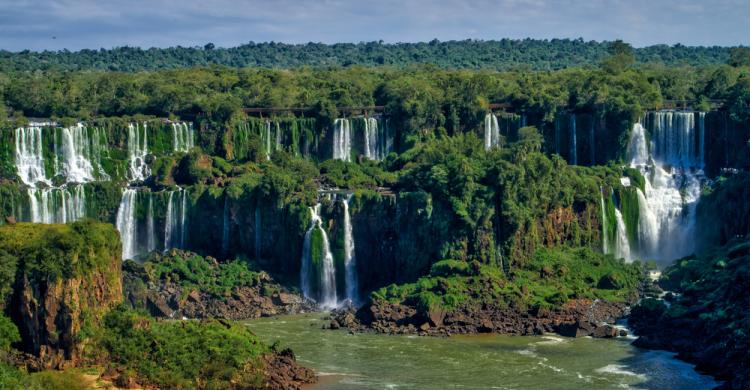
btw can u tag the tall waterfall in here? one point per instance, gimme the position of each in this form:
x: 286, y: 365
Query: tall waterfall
x: 126, y: 224
x: 326, y: 278
x: 350, y: 260
x: 73, y: 162
x: 58, y: 204
x: 605, y: 230
x: 622, y: 245
x: 573, y: 141
x: 175, y: 226
x: 80, y: 151
x: 137, y: 152
x: 29, y: 155
x: 491, y: 131
x: 268, y: 140
x: 183, y: 137
x: 372, y: 139
x: 672, y: 165
x: 342, y: 144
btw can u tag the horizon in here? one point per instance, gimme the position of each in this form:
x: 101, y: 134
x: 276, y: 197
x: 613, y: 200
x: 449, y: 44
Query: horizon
x: 76, y: 25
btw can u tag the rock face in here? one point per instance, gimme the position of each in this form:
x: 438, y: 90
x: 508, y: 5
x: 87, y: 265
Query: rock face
x: 576, y: 318
x: 282, y: 372
x: 170, y: 300
x: 53, y: 306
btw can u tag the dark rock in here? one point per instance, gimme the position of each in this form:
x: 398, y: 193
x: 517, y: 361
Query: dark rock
x: 334, y: 325
x: 605, y: 331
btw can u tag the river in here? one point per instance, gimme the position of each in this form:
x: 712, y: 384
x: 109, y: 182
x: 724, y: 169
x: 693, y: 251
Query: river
x: 371, y: 361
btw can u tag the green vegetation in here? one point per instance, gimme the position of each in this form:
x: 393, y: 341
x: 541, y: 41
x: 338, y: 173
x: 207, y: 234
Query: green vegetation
x: 199, y: 273
x: 57, y: 251
x: 183, y: 354
x: 708, y: 320
x: 550, y: 278
x: 470, y: 54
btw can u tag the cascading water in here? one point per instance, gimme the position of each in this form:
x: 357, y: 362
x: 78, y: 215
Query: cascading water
x: 605, y: 230
x: 673, y: 181
x: 29, y: 155
x: 350, y: 260
x: 80, y: 154
x: 573, y: 141
x: 67, y: 202
x: 183, y: 137
x: 326, y: 278
x: 175, y: 226
x: 342, y: 145
x: 138, y: 170
x: 372, y: 139
x: 268, y: 140
x: 126, y: 224
x: 622, y: 244
x: 491, y: 131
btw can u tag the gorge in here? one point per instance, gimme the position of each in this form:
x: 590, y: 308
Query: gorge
x: 397, y: 201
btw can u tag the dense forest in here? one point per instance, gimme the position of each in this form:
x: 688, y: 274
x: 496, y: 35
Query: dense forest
x: 504, y: 54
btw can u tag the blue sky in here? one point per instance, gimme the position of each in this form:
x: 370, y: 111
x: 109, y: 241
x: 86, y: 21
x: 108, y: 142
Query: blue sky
x: 77, y: 24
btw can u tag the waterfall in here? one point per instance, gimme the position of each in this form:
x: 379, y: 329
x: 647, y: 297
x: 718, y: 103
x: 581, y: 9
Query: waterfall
x: 29, y: 156
x: 169, y: 222
x: 372, y: 140
x: 491, y: 131
x: 278, y: 137
x: 137, y: 152
x: 47, y: 204
x: 80, y: 152
x: 605, y: 234
x: 327, y: 276
x: 350, y: 260
x: 268, y: 140
x: 622, y: 245
x: 183, y: 137
x: 673, y: 181
x: 175, y: 226
x: 151, y: 238
x: 126, y: 223
x: 701, y: 139
x: 573, y: 141
x: 342, y: 140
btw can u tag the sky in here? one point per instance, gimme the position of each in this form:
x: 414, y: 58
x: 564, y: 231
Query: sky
x: 93, y: 24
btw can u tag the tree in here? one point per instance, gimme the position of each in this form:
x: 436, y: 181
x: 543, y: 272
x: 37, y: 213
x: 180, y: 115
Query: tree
x: 621, y: 57
x: 739, y: 56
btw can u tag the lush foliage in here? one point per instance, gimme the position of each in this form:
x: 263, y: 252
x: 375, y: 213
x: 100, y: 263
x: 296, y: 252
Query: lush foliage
x: 551, y: 278
x: 183, y: 354
x: 708, y: 319
x: 472, y: 54
x: 199, y: 273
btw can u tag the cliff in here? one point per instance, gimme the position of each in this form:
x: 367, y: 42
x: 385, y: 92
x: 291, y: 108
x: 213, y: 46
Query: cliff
x: 66, y: 278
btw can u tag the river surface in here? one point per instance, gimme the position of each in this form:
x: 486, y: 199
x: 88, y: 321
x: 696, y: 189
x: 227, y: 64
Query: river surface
x: 371, y: 361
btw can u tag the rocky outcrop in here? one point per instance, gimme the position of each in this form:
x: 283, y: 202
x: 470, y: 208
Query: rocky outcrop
x: 171, y: 300
x: 54, y: 307
x: 282, y: 372
x: 576, y: 318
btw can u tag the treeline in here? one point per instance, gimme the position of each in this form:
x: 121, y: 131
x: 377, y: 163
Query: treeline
x: 416, y: 98
x: 504, y: 54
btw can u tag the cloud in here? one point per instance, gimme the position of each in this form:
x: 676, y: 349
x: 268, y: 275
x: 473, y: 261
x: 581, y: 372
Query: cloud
x: 77, y: 24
